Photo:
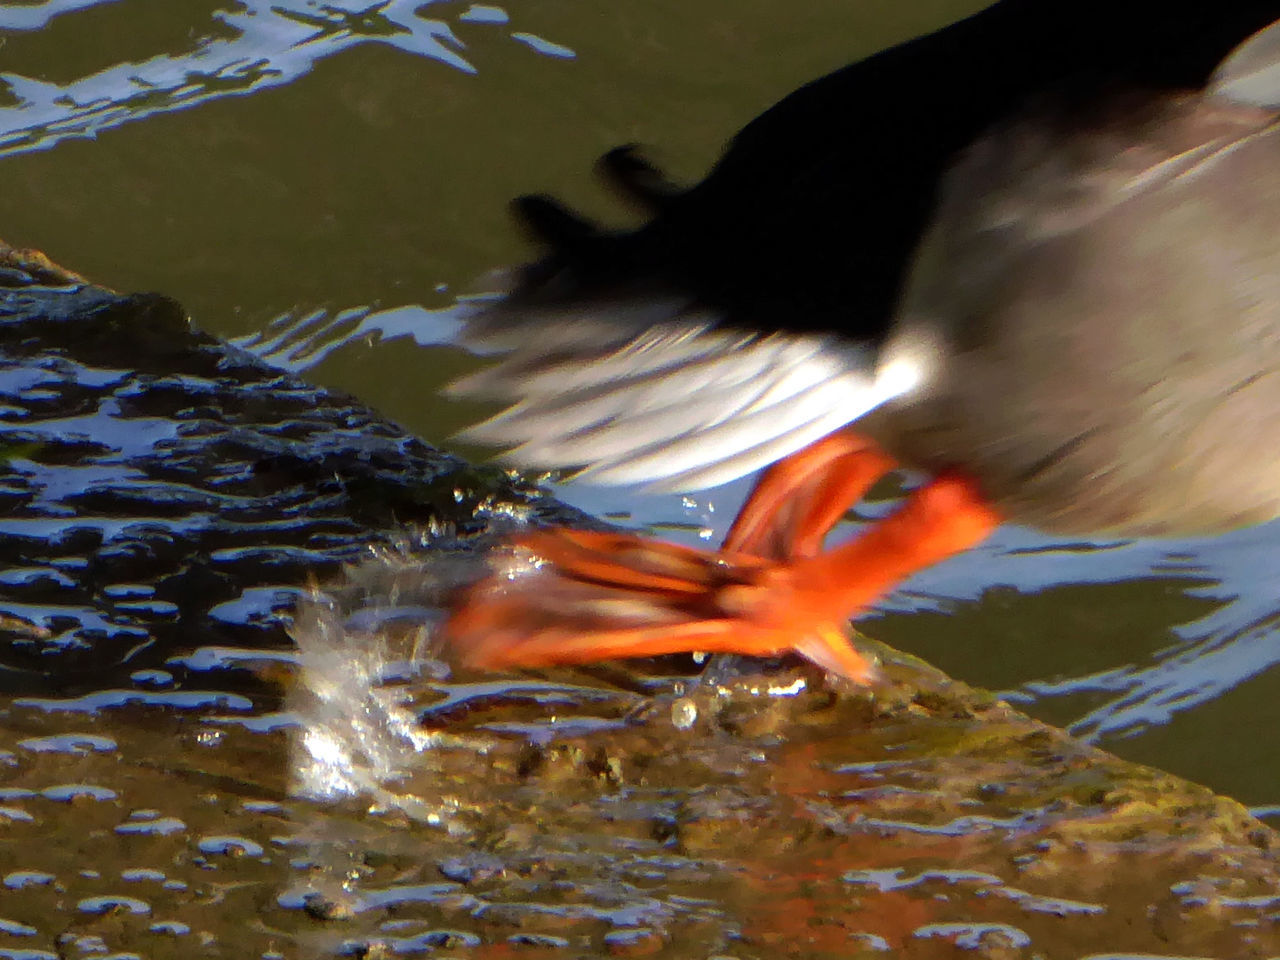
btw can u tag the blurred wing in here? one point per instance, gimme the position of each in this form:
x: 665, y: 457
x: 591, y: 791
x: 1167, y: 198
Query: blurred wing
x: 656, y: 393
x: 1251, y: 72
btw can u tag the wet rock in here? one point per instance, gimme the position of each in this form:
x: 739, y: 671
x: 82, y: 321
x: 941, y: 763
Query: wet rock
x: 471, y: 869
x: 763, y: 809
x: 640, y: 942
x: 322, y: 907
x: 161, y: 489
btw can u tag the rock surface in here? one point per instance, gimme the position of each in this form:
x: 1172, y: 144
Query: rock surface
x: 177, y: 779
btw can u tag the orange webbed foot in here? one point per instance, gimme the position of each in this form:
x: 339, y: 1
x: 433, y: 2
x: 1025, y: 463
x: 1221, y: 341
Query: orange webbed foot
x: 601, y: 596
x: 608, y: 596
x: 797, y: 501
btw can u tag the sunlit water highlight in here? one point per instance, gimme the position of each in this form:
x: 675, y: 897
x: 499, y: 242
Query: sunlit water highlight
x: 271, y: 43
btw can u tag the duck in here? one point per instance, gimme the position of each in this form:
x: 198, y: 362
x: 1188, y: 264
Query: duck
x: 1033, y: 257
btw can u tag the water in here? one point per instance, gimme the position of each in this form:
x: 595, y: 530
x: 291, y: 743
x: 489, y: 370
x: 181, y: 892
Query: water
x: 320, y: 179
x: 325, y: 184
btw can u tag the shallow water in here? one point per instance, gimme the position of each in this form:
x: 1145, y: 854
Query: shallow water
x: 323, y: 181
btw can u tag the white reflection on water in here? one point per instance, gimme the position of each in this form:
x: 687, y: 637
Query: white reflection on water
x: 1205, y: 658
x: 297, y: 342
x: 274, y: 42
x: 37, y: 15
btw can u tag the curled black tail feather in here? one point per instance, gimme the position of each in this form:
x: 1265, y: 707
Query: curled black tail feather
x: 586, y: 262
x: 638, y: 179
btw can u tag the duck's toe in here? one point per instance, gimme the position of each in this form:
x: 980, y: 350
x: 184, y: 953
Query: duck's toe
x: 597, y: 596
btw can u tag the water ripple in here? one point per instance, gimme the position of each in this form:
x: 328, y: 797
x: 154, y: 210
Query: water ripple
x: 270, y: 43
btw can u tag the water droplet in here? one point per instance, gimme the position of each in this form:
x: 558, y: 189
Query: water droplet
x: 684, y: 713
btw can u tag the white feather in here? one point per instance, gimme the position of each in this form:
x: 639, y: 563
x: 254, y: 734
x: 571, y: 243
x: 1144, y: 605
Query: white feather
x: 1251, y: 72
x: 677, y: 404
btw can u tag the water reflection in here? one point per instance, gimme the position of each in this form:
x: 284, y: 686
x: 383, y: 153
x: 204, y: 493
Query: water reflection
x: 271, y: 42
x: 36, y: 15
x: 1206, y: 657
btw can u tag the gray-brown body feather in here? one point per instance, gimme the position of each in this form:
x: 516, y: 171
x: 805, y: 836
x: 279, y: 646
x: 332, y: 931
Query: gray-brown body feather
x: 1103, y: 290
